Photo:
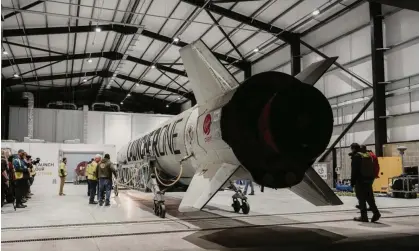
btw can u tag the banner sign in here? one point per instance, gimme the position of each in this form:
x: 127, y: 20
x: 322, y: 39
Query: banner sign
x: 321, y: 169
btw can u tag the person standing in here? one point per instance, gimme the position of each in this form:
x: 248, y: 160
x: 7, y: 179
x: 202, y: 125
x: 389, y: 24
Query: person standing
x: 104, y: 171
x: 92, y: 178
x: 20, y: 183
x: 4, y: 180
x: 62, y: 173
x: 249, y: 183
x: 362, y: 178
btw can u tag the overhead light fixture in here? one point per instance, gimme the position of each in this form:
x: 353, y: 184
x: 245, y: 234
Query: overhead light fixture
x: 98, y: 29
x: 84, y: 80
x: 16, y: 75
x: 137, y: 84
x: 122, y: 103
x: 167, y: 106
x: 114, y: 74
x: 89, y: 60
x: 178, y: 98
x: 256, y: 50
x: 316, y: 12
x: 5, y: 53
x: 176, y: 39
x: 129, y: 95
x: 153, y: 66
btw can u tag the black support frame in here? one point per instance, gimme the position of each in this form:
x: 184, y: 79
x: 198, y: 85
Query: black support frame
x: 378, y: 77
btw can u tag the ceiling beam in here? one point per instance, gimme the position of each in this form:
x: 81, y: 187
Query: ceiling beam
x: 108, y: 55
x: 26, y: 7
x: 84, y: 95
x: 103, y: 74
x: 126, y: 30
x: 284, y: 35
x: 404, y: 4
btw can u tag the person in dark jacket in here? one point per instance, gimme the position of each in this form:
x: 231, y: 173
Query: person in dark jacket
x: 105, y: 169
x: 21, y: 172
x: 362, y: 178
x: 4, y: 180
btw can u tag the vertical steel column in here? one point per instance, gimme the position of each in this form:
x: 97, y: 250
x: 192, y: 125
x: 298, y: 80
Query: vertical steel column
x: 378, y: 78
x: 295, y: 55
x: 334, y: 167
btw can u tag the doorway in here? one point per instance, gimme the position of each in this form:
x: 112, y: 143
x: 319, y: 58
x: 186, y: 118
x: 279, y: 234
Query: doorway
x: 74, y: 159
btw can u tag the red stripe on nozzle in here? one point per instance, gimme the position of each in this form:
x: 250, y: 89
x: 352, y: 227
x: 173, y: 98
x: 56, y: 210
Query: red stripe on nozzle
x: 264, y: 126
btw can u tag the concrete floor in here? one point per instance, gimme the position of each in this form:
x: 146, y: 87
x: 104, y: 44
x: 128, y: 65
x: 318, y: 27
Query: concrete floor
x: 279, y: 220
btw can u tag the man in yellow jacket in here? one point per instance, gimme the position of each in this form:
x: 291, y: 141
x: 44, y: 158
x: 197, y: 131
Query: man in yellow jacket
x: 92, y: 178
x: 62, y: 173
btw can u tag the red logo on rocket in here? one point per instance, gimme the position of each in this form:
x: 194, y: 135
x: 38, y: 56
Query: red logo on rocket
x: 207, y: 124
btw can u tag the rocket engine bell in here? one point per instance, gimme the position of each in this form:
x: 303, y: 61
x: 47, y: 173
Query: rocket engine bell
x: 277, y: 126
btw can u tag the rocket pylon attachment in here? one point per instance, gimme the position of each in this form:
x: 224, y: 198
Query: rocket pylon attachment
x: 209, y: 78
x: 205, y: 184
x: 315, y: 71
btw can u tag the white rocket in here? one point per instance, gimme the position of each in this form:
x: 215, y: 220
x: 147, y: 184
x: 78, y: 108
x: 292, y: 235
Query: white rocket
x: 270, y: 128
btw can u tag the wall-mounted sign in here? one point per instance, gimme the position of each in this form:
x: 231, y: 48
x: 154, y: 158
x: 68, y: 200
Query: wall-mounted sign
x: 321, y: 169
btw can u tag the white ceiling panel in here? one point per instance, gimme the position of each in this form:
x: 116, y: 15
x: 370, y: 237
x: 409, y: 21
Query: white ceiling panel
x: 58, y: 42
x: 139, y: 88
x: 171, y: 54
x: 212, y: 37
x: 305, y: 8
x: 275, y: 9
x: 43, y: 71
x: 138, y: 71
x: 60, y: 67
x: 153, y: 50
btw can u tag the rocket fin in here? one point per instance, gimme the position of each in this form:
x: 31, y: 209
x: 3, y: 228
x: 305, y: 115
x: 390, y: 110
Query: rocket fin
x: 315, y: 190
x: 315, y: 71
x: 205, y: 184
x: 209, y: 78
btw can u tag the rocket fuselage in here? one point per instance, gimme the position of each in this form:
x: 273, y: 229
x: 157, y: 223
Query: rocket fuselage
x: 272, y: 124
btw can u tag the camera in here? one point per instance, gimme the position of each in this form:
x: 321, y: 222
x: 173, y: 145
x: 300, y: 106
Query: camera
x: 34, y: 162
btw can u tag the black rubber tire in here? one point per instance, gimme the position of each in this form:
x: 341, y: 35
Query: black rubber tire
x: 245, y: 207
x: 236, y: 206
x: 156, y: 209
x: 162, y: 210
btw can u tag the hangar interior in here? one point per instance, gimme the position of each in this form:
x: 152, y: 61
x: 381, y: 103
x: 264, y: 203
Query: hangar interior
x: 81, y: 78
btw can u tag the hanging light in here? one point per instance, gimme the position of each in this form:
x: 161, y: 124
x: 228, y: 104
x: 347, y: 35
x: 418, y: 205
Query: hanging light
x: 16, y: 75
x: 122, y: 103
x: 89, y: 60
x: 153, y: 66
x: 176, y: 39
x: 167, y: 106
x: 315, y: 12
x: 98, y: 29
x: 137, y: 84
x: 256, y: 49
x: 84, y: 80
x: 129, y: 95
x: 5, y: 53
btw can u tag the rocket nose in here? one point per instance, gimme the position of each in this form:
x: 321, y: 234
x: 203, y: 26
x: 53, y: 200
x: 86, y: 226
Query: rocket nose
x: 297, y: 122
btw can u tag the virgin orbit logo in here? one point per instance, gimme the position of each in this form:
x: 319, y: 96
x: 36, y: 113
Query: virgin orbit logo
x: 207, y: 124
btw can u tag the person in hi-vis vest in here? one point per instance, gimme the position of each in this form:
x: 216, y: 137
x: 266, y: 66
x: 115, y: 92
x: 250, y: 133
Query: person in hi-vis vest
x: 62, y: 172
x: 92, y: 178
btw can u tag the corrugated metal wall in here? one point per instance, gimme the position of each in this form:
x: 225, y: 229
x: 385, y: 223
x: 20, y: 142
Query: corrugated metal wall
x: 55, y: 125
